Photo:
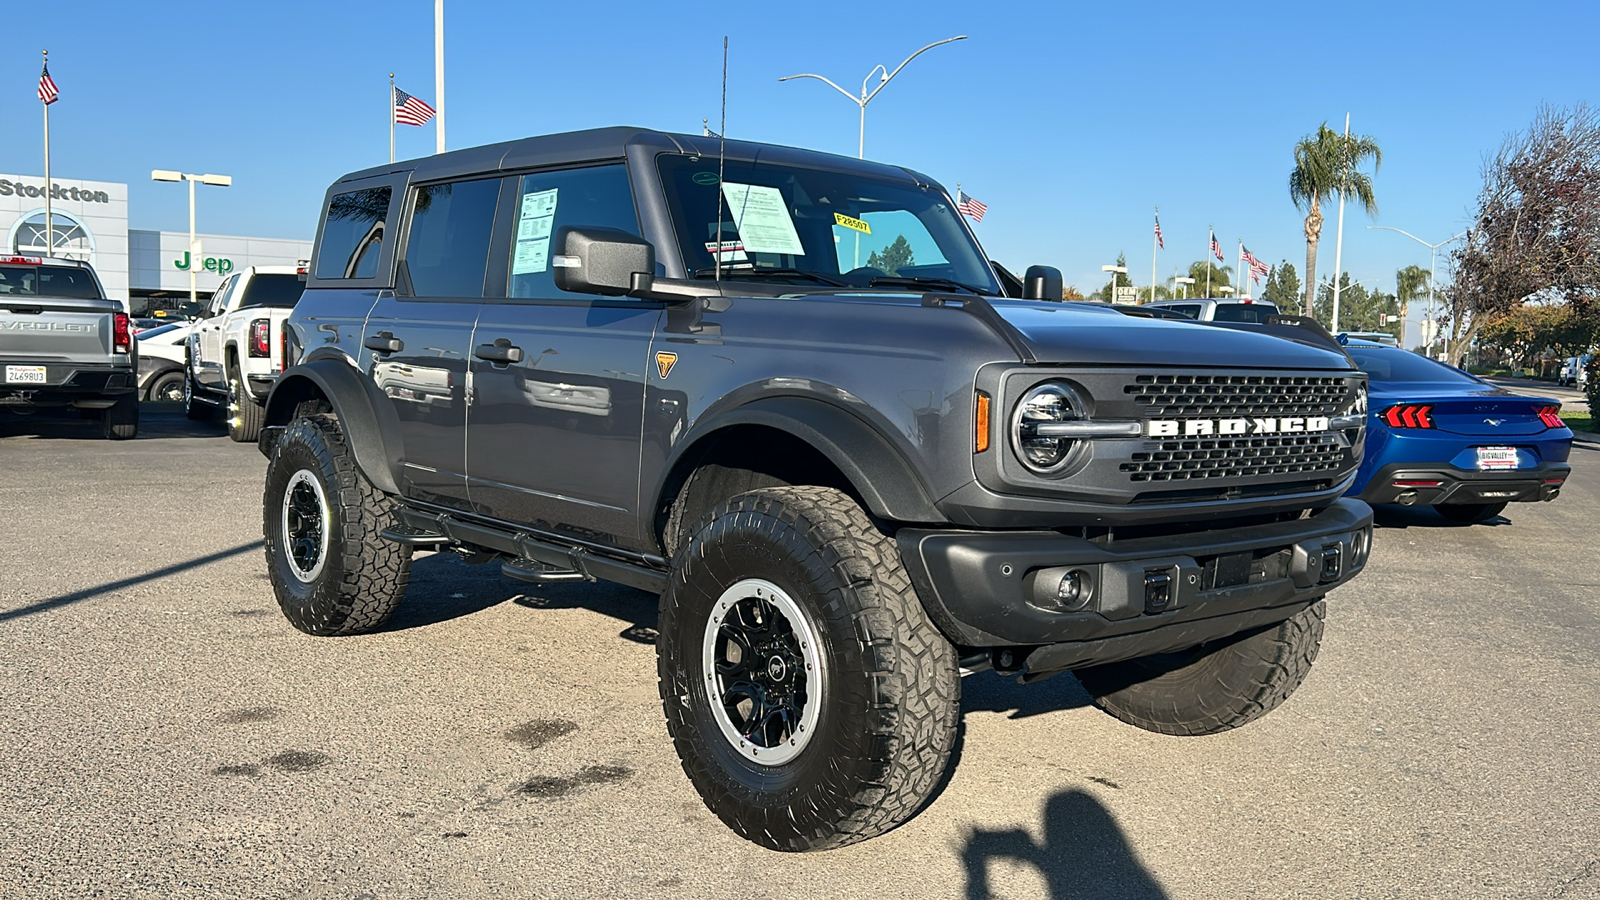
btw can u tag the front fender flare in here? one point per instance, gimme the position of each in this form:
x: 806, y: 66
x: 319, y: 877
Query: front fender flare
x: 367, y: 417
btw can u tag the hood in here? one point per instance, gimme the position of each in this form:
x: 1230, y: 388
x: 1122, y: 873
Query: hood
x: 1094, y: 335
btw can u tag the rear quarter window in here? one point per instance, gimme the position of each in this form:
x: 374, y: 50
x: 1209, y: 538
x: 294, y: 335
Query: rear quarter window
x: 353, y: 234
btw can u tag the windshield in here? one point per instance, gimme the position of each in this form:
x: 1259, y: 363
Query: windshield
x: 272, y: 290
x: 822, y: 226
x: 1403, y: 366
x: 65, y: 282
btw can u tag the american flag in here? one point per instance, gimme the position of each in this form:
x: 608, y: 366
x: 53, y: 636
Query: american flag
x: 971, y: 206
x: 1216, y: 248
x: 47, y: 86
x: 1160, y: 241
x: 408, y: 110
x: 1257, y: 267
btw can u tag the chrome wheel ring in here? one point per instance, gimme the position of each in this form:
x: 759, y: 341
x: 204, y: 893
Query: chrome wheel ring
x: 304, y: 529
x: 764, y: 672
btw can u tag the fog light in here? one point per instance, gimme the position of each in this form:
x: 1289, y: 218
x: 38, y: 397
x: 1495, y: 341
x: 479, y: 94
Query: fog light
x: 1072, y: 593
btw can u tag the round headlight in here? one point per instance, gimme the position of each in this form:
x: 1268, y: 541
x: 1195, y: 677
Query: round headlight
x: 1045, y: 404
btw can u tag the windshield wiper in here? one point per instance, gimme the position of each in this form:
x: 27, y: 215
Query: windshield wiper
x: 902, y: 281
x: 744, y: 274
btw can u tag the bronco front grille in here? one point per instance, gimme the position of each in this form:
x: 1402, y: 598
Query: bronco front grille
x: 1195, y: 458
x: 1226, y: 396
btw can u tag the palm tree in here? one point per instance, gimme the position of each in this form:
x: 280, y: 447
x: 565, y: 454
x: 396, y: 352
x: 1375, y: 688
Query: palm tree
x: 1220, y: 275
x: 1410, y: 283
x: 1323, y: 164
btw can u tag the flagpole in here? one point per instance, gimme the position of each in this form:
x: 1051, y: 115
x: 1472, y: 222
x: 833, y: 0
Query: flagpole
x: 1155, y: 244
x: 438, y: 74
x: 1244, y: 285
x: 49, y: 215
x: 1211, y: 232
x: 391, y: 118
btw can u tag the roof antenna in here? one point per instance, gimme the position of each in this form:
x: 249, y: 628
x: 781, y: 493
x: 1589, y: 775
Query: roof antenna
x: 722, y: 142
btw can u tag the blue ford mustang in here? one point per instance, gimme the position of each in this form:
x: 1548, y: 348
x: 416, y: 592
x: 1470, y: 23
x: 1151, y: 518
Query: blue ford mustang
x: 1439, y: 436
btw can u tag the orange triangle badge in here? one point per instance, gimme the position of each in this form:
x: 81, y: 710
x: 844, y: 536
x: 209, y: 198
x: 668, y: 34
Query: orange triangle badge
x: 665, y: 360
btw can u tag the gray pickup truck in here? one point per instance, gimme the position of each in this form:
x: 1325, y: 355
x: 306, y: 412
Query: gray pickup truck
x: 784, y: 391
x: 64, y: 344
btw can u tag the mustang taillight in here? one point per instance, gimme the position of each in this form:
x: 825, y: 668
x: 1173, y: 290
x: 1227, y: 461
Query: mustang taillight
x: 121, y: 336
x: 1408, y: 415
x: 260, y: 338
x: 1550, y: 416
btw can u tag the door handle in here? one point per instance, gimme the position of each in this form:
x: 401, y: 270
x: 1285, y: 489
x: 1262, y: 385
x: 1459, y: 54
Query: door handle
x: 501, y: 351
x: 384, y: 342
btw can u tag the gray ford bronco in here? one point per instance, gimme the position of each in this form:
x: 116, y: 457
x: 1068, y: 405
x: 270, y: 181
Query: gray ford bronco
x: 786, y: 392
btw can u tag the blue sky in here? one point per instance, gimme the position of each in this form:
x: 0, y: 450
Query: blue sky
x: 1072, y: 121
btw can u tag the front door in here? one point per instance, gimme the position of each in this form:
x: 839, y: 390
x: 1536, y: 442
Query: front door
x: 205, y: 347
x: 556, y: 419
x: 418, y: 336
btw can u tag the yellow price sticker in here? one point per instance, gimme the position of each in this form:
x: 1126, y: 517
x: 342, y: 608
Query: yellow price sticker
x: 853, y: 224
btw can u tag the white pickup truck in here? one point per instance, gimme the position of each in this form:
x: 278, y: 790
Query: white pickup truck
x: 235, y: 350
x: 63, y: 343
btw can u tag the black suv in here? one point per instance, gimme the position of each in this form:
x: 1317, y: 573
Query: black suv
x: 785, y: 391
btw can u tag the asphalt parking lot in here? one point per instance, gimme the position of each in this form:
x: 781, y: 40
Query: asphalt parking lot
x: 167, y: 734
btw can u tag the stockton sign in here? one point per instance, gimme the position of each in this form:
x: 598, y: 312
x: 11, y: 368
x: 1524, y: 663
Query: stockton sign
x: 221, y: 266
x: 57, y: 192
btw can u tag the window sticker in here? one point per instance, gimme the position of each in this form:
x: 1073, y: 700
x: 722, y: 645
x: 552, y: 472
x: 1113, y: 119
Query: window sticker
x: 854, y: 224
x: 533, y: 233
x: 730, y: 252
x: 762, y: 218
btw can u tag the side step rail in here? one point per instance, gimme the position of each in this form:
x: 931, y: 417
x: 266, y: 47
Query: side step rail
x: 532, y: 559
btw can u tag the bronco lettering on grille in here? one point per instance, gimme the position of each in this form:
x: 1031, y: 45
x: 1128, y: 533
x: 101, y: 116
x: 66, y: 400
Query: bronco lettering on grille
x: 1209, y: 427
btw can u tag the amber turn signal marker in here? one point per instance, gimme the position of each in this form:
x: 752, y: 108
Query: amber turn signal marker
x: 981, y: 424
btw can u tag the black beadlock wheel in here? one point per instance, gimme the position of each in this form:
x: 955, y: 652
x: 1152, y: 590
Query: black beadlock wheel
x: 810, y: 699
x: 245, y: 415
x: 332, y: 572
x: 1470, y: 512
x: 1213, y: 687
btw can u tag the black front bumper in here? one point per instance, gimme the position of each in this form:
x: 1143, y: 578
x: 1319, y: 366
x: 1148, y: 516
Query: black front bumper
x: 1431, y: 484
x: 73, y: 386
x: 1137, y: 597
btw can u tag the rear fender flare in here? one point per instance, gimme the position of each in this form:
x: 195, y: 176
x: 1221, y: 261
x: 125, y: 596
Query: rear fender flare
x: 367, y: 417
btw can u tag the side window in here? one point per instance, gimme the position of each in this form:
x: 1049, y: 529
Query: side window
x: 219, y: 300
x: 352, y: 234
x: 447, y: 242
x: 597, y: 197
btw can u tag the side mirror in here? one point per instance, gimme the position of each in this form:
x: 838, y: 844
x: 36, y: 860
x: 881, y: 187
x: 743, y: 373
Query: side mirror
x: 1042, y: 283
x: 605, y: 261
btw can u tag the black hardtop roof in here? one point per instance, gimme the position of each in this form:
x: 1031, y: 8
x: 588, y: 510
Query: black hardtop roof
x: 599, y: 144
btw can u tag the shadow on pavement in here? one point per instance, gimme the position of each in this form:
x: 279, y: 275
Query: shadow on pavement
x: 988, y: 692
x: 1389, y: 515
x: 1083, y: 854
x: 156, y: 420
x: 66, y: 599
x: 443, y: 588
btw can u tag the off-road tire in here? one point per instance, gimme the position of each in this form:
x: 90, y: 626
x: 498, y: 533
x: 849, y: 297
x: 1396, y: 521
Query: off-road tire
x: 1470, y: 512
x: 195, y: 409
x: 889, y: 688
x: 1213, y: 687
x: 245, y: 416
x: 120, y: 421
x: 165, y: 383
x: 363, y: 576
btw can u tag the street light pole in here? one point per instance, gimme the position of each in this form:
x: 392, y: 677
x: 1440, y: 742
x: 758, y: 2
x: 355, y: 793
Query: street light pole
x: 1433, y: 257
x: 865, y: 98
x: 1111, y: 292
x: 214, y: 180
x: 1185, y: 281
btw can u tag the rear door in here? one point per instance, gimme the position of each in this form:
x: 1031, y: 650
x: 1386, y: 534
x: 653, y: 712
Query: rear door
x: 52, y: 320
x: 558, y: 379
x: 418, y: 336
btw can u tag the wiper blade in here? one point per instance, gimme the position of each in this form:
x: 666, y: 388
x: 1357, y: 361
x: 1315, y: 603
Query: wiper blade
x: 901, y: 281
x: 763, y: 271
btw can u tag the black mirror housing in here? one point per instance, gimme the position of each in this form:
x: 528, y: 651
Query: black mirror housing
x: 602, y: 261
x: 1042, y: 283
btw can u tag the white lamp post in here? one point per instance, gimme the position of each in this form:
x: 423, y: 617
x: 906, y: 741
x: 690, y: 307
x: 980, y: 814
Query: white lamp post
x: 1111, y: 296
x: 194, y: 251
x: 865, y: 98
x: 1433, y: 256
x: 1224, y: 290
x: 1185, y: 281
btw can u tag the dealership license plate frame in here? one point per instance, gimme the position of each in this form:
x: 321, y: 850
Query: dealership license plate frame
x: 26, y: 375
x: 1492, y: 458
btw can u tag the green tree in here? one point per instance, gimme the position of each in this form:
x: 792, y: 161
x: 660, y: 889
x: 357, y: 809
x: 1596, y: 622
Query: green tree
x: 1283, y: 287
x: 891, y: 258
x: 1325, y: 163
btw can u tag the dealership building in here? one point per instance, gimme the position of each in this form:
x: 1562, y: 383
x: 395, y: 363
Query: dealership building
x: 149, y: 269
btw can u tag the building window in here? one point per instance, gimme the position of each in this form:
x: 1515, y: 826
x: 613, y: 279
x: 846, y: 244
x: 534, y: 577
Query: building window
x: 72, y: 240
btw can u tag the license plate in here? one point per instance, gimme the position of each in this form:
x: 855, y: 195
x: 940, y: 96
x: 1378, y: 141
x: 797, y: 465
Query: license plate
x: 1497, y: 457
x: 24, y: 374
